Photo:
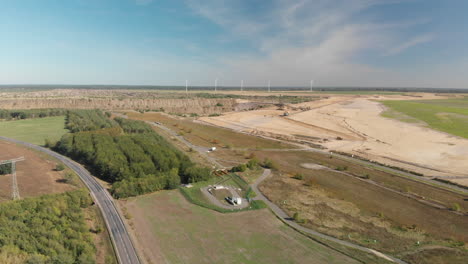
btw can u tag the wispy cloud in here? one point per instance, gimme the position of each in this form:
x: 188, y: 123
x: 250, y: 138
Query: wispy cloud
x: 306, y: 40
x: 409, y: 43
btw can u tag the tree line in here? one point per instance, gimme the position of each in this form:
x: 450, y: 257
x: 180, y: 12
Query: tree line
x: 135, y: 161
x: 87, y: 120
x: 48, y: 229
x: 30, y: 113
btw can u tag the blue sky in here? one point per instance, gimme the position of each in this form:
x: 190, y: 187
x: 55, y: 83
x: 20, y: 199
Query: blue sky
x: 417, y: 43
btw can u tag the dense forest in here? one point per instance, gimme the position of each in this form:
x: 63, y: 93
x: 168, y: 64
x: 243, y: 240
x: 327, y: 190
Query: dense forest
x: 30, y: 113
x: 49, y: 229
x: 87, y: 120
x: 130, y: 155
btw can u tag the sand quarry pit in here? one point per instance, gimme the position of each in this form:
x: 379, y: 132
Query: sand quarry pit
x: 353, y: 124
x: 35, y: 175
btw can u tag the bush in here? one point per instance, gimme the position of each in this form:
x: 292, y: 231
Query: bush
x: 298, y: 176
x: 456, y: 207
x: 219, y: 105
x: 298, y: 219
x: 269, y: 164
x: 252, y: 164
x: 239, y: 168
x: 250, y: 156
x: 341, y: 168
x: 59, y: 167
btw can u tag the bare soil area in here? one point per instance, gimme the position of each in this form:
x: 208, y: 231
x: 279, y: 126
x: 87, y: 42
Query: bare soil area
x: 36, y: 175
x: 353, y: 124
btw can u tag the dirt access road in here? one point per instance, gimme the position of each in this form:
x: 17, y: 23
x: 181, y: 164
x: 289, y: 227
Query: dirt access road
x: 287, y: 220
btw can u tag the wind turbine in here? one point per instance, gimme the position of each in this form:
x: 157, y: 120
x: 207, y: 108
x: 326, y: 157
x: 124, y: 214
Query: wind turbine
x: 216, y: 84
x: 269, y: 85
x: 186, y: 86
x: 311, y: 85
x: 242, y: 85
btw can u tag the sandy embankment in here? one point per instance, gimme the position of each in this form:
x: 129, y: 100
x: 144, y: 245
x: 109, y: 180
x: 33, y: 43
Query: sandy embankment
x: 357, y: 120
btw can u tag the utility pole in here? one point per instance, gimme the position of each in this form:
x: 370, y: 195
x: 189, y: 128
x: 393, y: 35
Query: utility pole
x: 268, y: 86
x: 186, y: 86
x: 14, y: 183
x: 242, y: 85
x: 311, y: 85
x: 216, y: 85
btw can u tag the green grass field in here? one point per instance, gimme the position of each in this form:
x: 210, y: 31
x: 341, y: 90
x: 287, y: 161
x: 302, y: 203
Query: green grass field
x: 195, y: 195
x: 447, y: 115
x: 34, y: 130
x: 173, y: 230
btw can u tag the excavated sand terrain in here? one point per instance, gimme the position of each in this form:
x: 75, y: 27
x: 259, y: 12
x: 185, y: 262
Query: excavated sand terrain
x: 353, y: 124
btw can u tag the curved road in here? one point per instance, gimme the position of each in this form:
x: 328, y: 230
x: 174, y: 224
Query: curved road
x: 124, y: 248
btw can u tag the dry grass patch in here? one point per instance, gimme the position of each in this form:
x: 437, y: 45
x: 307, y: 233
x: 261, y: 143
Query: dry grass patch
x: 175, y: 231
x: 206, y: 135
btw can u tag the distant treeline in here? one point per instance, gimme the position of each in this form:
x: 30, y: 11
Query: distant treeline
x: 30, y: 113
x: 48, y: 229
x: 127, y: 153
x: 23, y: 88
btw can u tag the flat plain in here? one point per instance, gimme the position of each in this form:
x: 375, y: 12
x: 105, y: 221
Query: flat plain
x: 172, y: 230
x: 34, y: 131
x: 447, y: 115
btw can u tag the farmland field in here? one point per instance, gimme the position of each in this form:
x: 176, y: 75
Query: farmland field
x: 447, y: 115
x: 172, y: 230
x: 34, y: 130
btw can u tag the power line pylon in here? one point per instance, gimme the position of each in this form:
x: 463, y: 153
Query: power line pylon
x: 14, y: 183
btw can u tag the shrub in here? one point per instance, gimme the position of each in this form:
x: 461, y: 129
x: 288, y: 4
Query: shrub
x: 310, y: 182
x: 239, y: 168
x: 456, y: 207
x: 252, y: 164
x: 250, y: 156
x: 59, y: 167
x: 269, y: 164
x: 298, y: 176
x: 341, y: 168
x: 219, y: 104
x: 296, y: 217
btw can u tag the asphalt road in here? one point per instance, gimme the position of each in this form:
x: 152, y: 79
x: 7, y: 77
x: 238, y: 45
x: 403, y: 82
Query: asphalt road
x: 124, y: 248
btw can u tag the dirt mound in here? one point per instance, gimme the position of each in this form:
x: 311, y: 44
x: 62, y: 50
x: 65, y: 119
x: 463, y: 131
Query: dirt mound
x: 313, y: 166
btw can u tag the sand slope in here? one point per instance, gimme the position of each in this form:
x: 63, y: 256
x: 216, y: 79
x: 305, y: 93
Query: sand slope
x: 364, y: 132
